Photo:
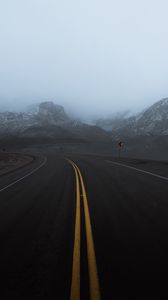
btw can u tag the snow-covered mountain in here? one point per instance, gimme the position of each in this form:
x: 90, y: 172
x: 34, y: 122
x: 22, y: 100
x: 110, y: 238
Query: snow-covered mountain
x: 114, y: 120
x: 52, y: 113
x: 46, y: 114
x: 47, y: 120
x: 152, y: 121
x: 155, y: 119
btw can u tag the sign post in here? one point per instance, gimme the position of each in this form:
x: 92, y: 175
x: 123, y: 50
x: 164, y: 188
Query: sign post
x: 120, y: 147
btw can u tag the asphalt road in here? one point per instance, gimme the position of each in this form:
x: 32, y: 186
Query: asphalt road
x: 93, y: 227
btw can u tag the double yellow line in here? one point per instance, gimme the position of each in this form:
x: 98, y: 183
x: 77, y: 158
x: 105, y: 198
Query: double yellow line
x: 92, y: 266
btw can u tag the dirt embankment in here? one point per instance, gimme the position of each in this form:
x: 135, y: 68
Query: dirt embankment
x: 12, y: 161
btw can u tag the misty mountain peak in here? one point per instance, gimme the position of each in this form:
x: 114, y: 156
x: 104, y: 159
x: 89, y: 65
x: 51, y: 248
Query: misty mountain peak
x: 158, y: 112
x: 152, y: 121
x: 48, y: 116
x: 50, y: 110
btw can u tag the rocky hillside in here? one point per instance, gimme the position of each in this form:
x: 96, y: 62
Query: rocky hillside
x: 47, y: 120
x: 47, y: 113
x: 50, y: 120
x: 153, y: 121
x: 52, y: 114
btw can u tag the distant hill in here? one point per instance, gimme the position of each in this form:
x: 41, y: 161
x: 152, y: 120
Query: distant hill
x: 153, y: 121
x: 47, y: 120
x: 144, y: 135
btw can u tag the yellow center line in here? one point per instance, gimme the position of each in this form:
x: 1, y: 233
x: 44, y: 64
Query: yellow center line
x: 93, y: 274
x: 92, y: 266
x: 75, y: 284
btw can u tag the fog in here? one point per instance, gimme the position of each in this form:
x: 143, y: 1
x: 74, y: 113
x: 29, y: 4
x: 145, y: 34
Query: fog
x: 92, y: 56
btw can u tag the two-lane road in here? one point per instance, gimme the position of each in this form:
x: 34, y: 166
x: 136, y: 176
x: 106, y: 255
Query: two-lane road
x: 84, y: 227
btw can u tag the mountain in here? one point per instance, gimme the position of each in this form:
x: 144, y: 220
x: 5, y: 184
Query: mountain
x: 46, y: 114
x: 112, y: 121
x: 153, y: 121
x: 47, y: 120
x: 144, y: 135
x: 52, y: 113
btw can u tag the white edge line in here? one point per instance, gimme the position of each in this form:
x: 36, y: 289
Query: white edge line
x: 142, y: 171
x: 27, y: 175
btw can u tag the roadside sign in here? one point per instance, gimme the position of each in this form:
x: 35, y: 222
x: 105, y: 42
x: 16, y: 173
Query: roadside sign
x: 120, y: 147
x: 120, y: 144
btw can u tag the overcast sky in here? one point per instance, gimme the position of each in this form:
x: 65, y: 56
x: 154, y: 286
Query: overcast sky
x: 95, y: 56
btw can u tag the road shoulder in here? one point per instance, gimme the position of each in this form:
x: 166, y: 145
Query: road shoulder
x: 10, y: 162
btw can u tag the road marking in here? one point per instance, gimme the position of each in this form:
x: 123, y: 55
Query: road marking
x: 93, y: 274
x: 139, y: 170
x: 75, y: 284
x: 27, y: 175
x: 92, y: 266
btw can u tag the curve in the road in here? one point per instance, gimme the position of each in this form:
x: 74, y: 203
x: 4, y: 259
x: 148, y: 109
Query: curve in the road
x: 25, y: 176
